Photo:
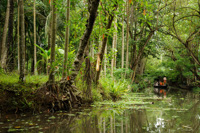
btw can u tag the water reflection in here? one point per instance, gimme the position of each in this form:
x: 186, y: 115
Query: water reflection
x: 177, y: 113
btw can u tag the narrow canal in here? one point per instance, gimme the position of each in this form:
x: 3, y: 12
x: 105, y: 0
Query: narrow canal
x: 135, y: 113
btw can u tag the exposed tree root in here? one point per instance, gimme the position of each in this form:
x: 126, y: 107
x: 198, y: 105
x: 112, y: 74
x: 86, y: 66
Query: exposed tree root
x: 58, y: 96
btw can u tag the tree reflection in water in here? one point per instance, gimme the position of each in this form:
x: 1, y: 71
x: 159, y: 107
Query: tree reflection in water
x: 177, y: 113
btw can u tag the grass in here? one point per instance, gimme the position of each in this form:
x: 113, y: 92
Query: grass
x: 29, y: 79
x: 9, y: 78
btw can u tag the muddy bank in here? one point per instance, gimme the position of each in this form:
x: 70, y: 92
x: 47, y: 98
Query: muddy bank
x: 30, y: 97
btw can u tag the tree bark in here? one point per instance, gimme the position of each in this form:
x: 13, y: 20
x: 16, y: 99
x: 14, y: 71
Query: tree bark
x: 92, y: 50
x: 112, y: 57
x: 127, y: 35
x: 88, y: 74
x: 66, y: 42
x: 10, y: 49
x: 122, y: 65
x: 22, y: 43
x: 92, y: 8
x: 105, y: 60
x: 4, y: 36
x: 141, y: 66
x: 53, y: 43
x: 34, y: 32
x: 114, y: 46
x: 18, y: 36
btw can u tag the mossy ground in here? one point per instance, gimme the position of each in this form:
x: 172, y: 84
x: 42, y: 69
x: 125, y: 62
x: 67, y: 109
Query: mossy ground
x: 16, y: 96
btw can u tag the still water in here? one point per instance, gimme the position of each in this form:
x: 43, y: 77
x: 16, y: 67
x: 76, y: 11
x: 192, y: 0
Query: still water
x: 135, y: 113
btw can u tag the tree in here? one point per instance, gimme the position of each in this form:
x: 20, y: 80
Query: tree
x: 175, y: 31
x: 66, y: 41
x: 22, y: 42
x: 35, y: 50
x: 10, y: 41
x: 53, y: 43
x: 142, y: 29
x: 114, y: 47
x: 101, y: 55
x: 177, y: 27
x: 122, y: 64
x: 92, y: 8
x: 4, y: 49
x: 127, y: 34
x: 18, y: 36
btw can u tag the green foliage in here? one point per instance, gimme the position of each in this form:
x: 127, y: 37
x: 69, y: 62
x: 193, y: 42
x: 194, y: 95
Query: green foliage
x: 116, y: 88
x: 96, y: 94
x: 36, y: 79
x: 118, y: 73
x: 135, y: 87
x: 196, y: 89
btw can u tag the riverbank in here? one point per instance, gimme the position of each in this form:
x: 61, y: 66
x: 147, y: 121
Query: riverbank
x: 36, y: 96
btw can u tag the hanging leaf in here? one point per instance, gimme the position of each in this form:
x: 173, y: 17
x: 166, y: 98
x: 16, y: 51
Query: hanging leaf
x: 98, y: 62
x: 103, y: 36
x: 49, y: 1
x: 130, y: 1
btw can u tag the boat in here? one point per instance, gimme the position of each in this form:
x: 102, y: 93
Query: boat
x: 160, y: 86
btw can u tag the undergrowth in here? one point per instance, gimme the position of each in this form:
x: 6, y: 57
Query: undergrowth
x: 114, y: 87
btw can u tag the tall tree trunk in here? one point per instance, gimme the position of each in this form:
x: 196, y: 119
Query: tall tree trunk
x: 105, y: 60
x: 22, y: 42
x: 53, y: 43
x: 141, y: 66
x: 88, y: 75
x: 49, y: 46
x: 127, y: 35
x: 92, y: 8
x: 35, y: 50
x: 92, y: 50
x: 111, y: 124
x: 110, y: 20
x: 133, y: 23
x: 10, y: 54
x: 122, y: 125
x: 66, y: 41
x: 122, y: 65
x: 112, y: 57
x: 4, y: 36
x: 114, y: 46
x: 18, y: 37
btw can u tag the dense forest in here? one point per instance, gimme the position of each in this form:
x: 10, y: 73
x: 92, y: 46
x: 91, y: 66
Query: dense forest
x: 72, y: 50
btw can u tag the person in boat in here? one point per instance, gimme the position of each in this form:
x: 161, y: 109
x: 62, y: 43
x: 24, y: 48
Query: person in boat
x: 161, y: 88
x: 160, y: 82
x: 164, y: 81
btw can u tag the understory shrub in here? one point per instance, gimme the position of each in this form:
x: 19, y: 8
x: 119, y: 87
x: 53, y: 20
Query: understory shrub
x: 114, y: 87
